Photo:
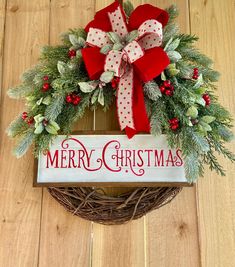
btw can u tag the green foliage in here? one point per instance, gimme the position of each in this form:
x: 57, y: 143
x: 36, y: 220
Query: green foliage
x: 19, y: 91
x: 17, y: 127
x: 192, y: 166
x: 203, y: 129
x: 128, y: 7
x: 24, y: 143
x: 54, y: 109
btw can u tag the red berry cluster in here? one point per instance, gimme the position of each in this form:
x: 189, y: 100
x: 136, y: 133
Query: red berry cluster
x: 24, y: 115
x: 27, y: 119
x: 195, y: 73
x: 114, y: 82
x: 207, y: 99
x: 73, y: 99
x: 72, y: 53
x: 174, y: 124
x: 46, y: 86
x: 167, y: 88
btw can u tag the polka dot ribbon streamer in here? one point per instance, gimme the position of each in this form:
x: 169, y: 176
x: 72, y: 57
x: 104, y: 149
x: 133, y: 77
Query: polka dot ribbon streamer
x: 131, y: 60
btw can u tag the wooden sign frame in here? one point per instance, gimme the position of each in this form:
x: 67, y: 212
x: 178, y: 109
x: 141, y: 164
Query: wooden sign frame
x: 103, y: 184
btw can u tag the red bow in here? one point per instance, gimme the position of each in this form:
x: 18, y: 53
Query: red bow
x: 145, y: 68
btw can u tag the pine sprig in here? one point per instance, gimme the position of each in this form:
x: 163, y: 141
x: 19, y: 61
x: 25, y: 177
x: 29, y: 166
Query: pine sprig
x: 19, y: 91
x: 192, y: 166
x: 24, y: 144
x: 17, y: 127
x: 54, y: 109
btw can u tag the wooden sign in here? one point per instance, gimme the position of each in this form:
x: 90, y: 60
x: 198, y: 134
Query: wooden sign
x: 109, y: 160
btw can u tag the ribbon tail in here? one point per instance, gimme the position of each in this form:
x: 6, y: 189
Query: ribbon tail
x: 124, y: 100
x: 131, y: 108
x: 140, y: 116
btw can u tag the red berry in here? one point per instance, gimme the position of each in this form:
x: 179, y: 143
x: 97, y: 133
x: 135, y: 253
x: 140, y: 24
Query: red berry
x: 168, y: 92
x: 167, y: 83
x: 45, y: 78
x: 195, y: 71
x: 24, y: 115
x: 174, y: 127
x: 162, y: 88
x: 69, y: 99
x: 30, y: 120
x: 174, y: 121
x: 76, y: 100
x: 72, y: 53
x: 45, y: 87
x: 171, y: 87
x: 207, y: 99
x: 73, y: 95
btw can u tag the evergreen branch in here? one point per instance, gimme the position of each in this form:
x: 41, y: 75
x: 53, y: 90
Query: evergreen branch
x: 53, y: 54
x: 17, y: 127
x: 173, y: 12
x: 192, y: 54
x: 192, y: 167
x: 54, y: 109
x: 28, y: 76
x: 224, y: 133
x: 77, y: 32
x: 211, y: 160
x: 24, y: 144
x: 186, y: 40
x: 128, y: 7
x: 19, y: 91
x: 199, y: 142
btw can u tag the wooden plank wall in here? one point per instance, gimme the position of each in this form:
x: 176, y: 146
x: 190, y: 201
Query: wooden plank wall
x: 196, y: 229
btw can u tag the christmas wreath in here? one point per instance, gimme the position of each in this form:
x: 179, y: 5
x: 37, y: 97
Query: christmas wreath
x: 161, y: 84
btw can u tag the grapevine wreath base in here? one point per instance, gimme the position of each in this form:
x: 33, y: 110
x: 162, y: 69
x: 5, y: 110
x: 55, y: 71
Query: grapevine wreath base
x: 94, y: 205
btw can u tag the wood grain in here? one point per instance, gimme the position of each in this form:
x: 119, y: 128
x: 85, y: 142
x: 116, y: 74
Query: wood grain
x: 214, y: 23
x: 26, y: 29
x: 2, y: 32
x: 172, y: 236
x: 65, y: 239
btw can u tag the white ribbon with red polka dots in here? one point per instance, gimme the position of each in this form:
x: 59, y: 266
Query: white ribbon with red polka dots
x: 149, y: 36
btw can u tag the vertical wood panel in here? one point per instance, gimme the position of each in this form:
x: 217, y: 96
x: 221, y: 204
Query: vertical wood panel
x: 65, y: 239
x: 122, y: 245
x: 2, y: 32
x: 172, y: 236
x: 20, y: 206
x: 214, y: 23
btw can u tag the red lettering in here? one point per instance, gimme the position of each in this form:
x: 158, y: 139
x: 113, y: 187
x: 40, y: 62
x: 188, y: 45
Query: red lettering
x: 52, y: 160
x: 63, y: 159
x: 71, y: 159
x: 159, y: 159
x: 139, y: 152
x: 178, y: 154
x: 170, y: 159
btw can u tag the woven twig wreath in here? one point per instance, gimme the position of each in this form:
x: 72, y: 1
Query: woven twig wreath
x: 94, y: 205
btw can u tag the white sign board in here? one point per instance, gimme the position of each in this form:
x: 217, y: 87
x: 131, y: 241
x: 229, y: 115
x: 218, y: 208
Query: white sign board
x: 87, y: 160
